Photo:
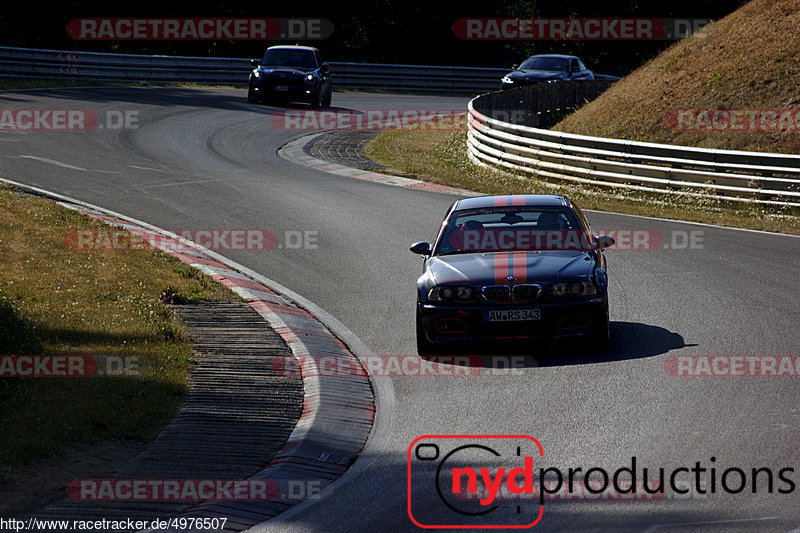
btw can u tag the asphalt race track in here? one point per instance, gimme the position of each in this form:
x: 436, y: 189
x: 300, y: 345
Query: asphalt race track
x: 205, y: 159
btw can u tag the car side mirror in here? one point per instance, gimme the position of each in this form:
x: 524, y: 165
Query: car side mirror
x: 254, y: 62
x: 326, y: 67
x: 604, y: 241
x: 421, y: 248
x: 514, y: 67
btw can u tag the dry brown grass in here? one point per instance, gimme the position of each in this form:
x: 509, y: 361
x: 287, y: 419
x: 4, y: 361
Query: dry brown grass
x: 748, y: 60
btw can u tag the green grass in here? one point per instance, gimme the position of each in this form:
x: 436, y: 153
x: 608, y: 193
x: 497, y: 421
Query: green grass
x: 440, y: 156
x: 57, y: 301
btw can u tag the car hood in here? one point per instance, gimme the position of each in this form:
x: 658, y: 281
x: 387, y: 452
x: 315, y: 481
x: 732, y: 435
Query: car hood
x: 531, y: 75
x: 494, y: 268
x: 284, y: 72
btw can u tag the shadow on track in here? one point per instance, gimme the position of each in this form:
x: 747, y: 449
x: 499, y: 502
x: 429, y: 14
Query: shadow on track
x: 629, y: 340
x: 232, y: 99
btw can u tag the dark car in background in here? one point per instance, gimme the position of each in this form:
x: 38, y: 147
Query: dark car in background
x: 512, y: 268
x: 545, y: 69
x: 291, y: 74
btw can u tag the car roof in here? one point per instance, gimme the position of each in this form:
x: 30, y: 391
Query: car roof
x: 292, y: 47
x: 509, y: 200
x: 560, y: 56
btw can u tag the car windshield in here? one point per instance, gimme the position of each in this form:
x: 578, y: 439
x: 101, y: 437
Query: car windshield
x: 283, y: 57
x: 504, y: 229
x: 555, y: 64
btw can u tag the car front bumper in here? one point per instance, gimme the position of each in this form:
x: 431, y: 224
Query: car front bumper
x: 273, y: 90
x: 525, y: 83
x: 455, y: 325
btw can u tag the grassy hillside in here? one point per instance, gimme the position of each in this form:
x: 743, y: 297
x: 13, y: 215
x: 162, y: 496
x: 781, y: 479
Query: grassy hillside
x: 750, y: 60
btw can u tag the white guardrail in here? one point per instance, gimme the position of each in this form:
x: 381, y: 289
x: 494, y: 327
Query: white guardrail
x: 724, y: 175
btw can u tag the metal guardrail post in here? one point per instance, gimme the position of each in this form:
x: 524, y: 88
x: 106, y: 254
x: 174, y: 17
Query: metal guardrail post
x: 545, y: 106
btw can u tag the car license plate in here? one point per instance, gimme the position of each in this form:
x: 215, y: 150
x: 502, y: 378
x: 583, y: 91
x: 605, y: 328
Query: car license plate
x: 512, y: 315
x: 282, y: 88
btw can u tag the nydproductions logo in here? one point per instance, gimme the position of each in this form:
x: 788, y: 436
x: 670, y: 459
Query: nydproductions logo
x: 454, y: 464
x: 500, y: 481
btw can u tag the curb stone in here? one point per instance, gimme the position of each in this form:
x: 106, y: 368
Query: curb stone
x: 294, y: 151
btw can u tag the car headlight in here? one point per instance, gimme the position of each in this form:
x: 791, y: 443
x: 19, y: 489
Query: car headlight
x: 309, y: 78
x: 576, y: 289
x: 450, y: 293
x: 257, y: 74
x: 507, y: 80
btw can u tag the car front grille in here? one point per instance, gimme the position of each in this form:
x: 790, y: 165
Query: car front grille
x: 525, y: 293
x: 289, y: 81
x: 496, y: 293
x: 504, y: 293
